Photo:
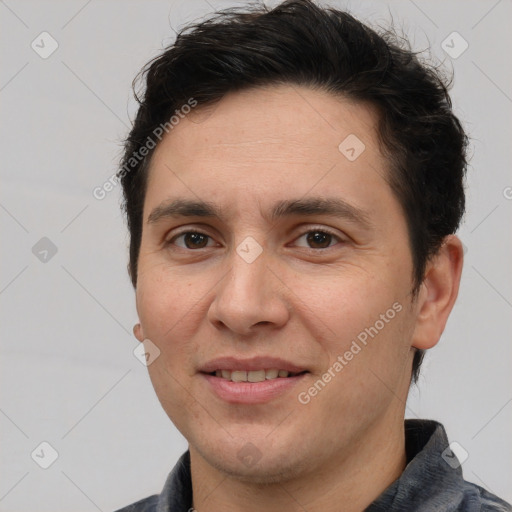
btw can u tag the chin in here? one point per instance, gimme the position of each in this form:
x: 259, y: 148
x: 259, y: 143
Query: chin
x: 247, y: 464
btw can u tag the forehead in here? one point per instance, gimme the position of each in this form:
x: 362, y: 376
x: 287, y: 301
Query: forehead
x: 271, y: 143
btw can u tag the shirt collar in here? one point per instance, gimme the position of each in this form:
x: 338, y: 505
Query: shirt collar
x: 432, y: 479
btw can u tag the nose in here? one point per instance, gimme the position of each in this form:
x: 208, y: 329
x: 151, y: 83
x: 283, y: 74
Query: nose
x: 250, y: 297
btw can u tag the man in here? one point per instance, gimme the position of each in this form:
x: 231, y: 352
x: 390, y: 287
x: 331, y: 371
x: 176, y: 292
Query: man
x: 293, y: 182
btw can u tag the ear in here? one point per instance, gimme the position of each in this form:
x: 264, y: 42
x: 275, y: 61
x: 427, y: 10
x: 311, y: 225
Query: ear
x: 138, y: 332
x: 438, y: 292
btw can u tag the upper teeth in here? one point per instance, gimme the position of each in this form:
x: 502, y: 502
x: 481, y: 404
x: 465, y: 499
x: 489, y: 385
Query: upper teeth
x: 251, y: 376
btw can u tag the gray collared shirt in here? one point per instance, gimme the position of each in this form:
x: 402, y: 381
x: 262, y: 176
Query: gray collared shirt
x: 432, y: 481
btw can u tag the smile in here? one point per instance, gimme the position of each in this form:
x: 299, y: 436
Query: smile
x: 253, y: 375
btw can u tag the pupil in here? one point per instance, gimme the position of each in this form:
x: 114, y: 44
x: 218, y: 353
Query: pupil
x: 195, y: 239
x: 319, y: 238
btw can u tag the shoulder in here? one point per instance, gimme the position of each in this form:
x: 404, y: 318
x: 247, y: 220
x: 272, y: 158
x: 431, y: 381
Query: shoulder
x: 145, y: 505
x: 479, y: 499
x: 176, y: 494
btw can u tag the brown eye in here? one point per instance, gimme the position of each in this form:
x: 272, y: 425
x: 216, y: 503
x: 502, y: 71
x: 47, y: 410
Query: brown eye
x: 190, y: 240
x: 319, y: 239
x: 195, y: 240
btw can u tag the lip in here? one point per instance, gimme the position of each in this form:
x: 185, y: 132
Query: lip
x: 251, y: 393
x: 254, y: 363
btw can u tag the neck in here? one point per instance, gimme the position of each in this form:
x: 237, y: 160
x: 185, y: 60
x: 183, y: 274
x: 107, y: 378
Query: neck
x: 348, y: 481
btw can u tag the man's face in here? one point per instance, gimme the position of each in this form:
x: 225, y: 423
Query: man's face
x: 296, y: 290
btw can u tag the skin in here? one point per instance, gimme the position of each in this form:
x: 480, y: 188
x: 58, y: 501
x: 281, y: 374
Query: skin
x: 299, y: 300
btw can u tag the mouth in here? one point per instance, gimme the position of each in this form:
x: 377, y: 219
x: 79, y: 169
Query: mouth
x: 251, y: 381
x: 254, y: 375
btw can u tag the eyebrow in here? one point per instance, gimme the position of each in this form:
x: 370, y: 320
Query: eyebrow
x: 301, y: 207
x: 183, y: 208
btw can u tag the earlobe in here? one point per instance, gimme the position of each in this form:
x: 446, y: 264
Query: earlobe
x: 438, y: 293
x: 138, y: 332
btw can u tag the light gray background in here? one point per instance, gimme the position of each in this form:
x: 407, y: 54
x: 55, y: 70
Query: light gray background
x: 68, y: 374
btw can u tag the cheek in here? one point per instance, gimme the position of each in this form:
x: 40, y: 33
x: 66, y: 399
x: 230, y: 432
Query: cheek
x: 366, y: 365
x: 169, y: 383
x: 163, y: 302
x: 365, y: 323
x: 169, y: 319
x: 346, y: 302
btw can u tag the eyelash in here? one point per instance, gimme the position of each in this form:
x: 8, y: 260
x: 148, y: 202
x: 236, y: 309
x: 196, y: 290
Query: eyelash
x: 314, y: 230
